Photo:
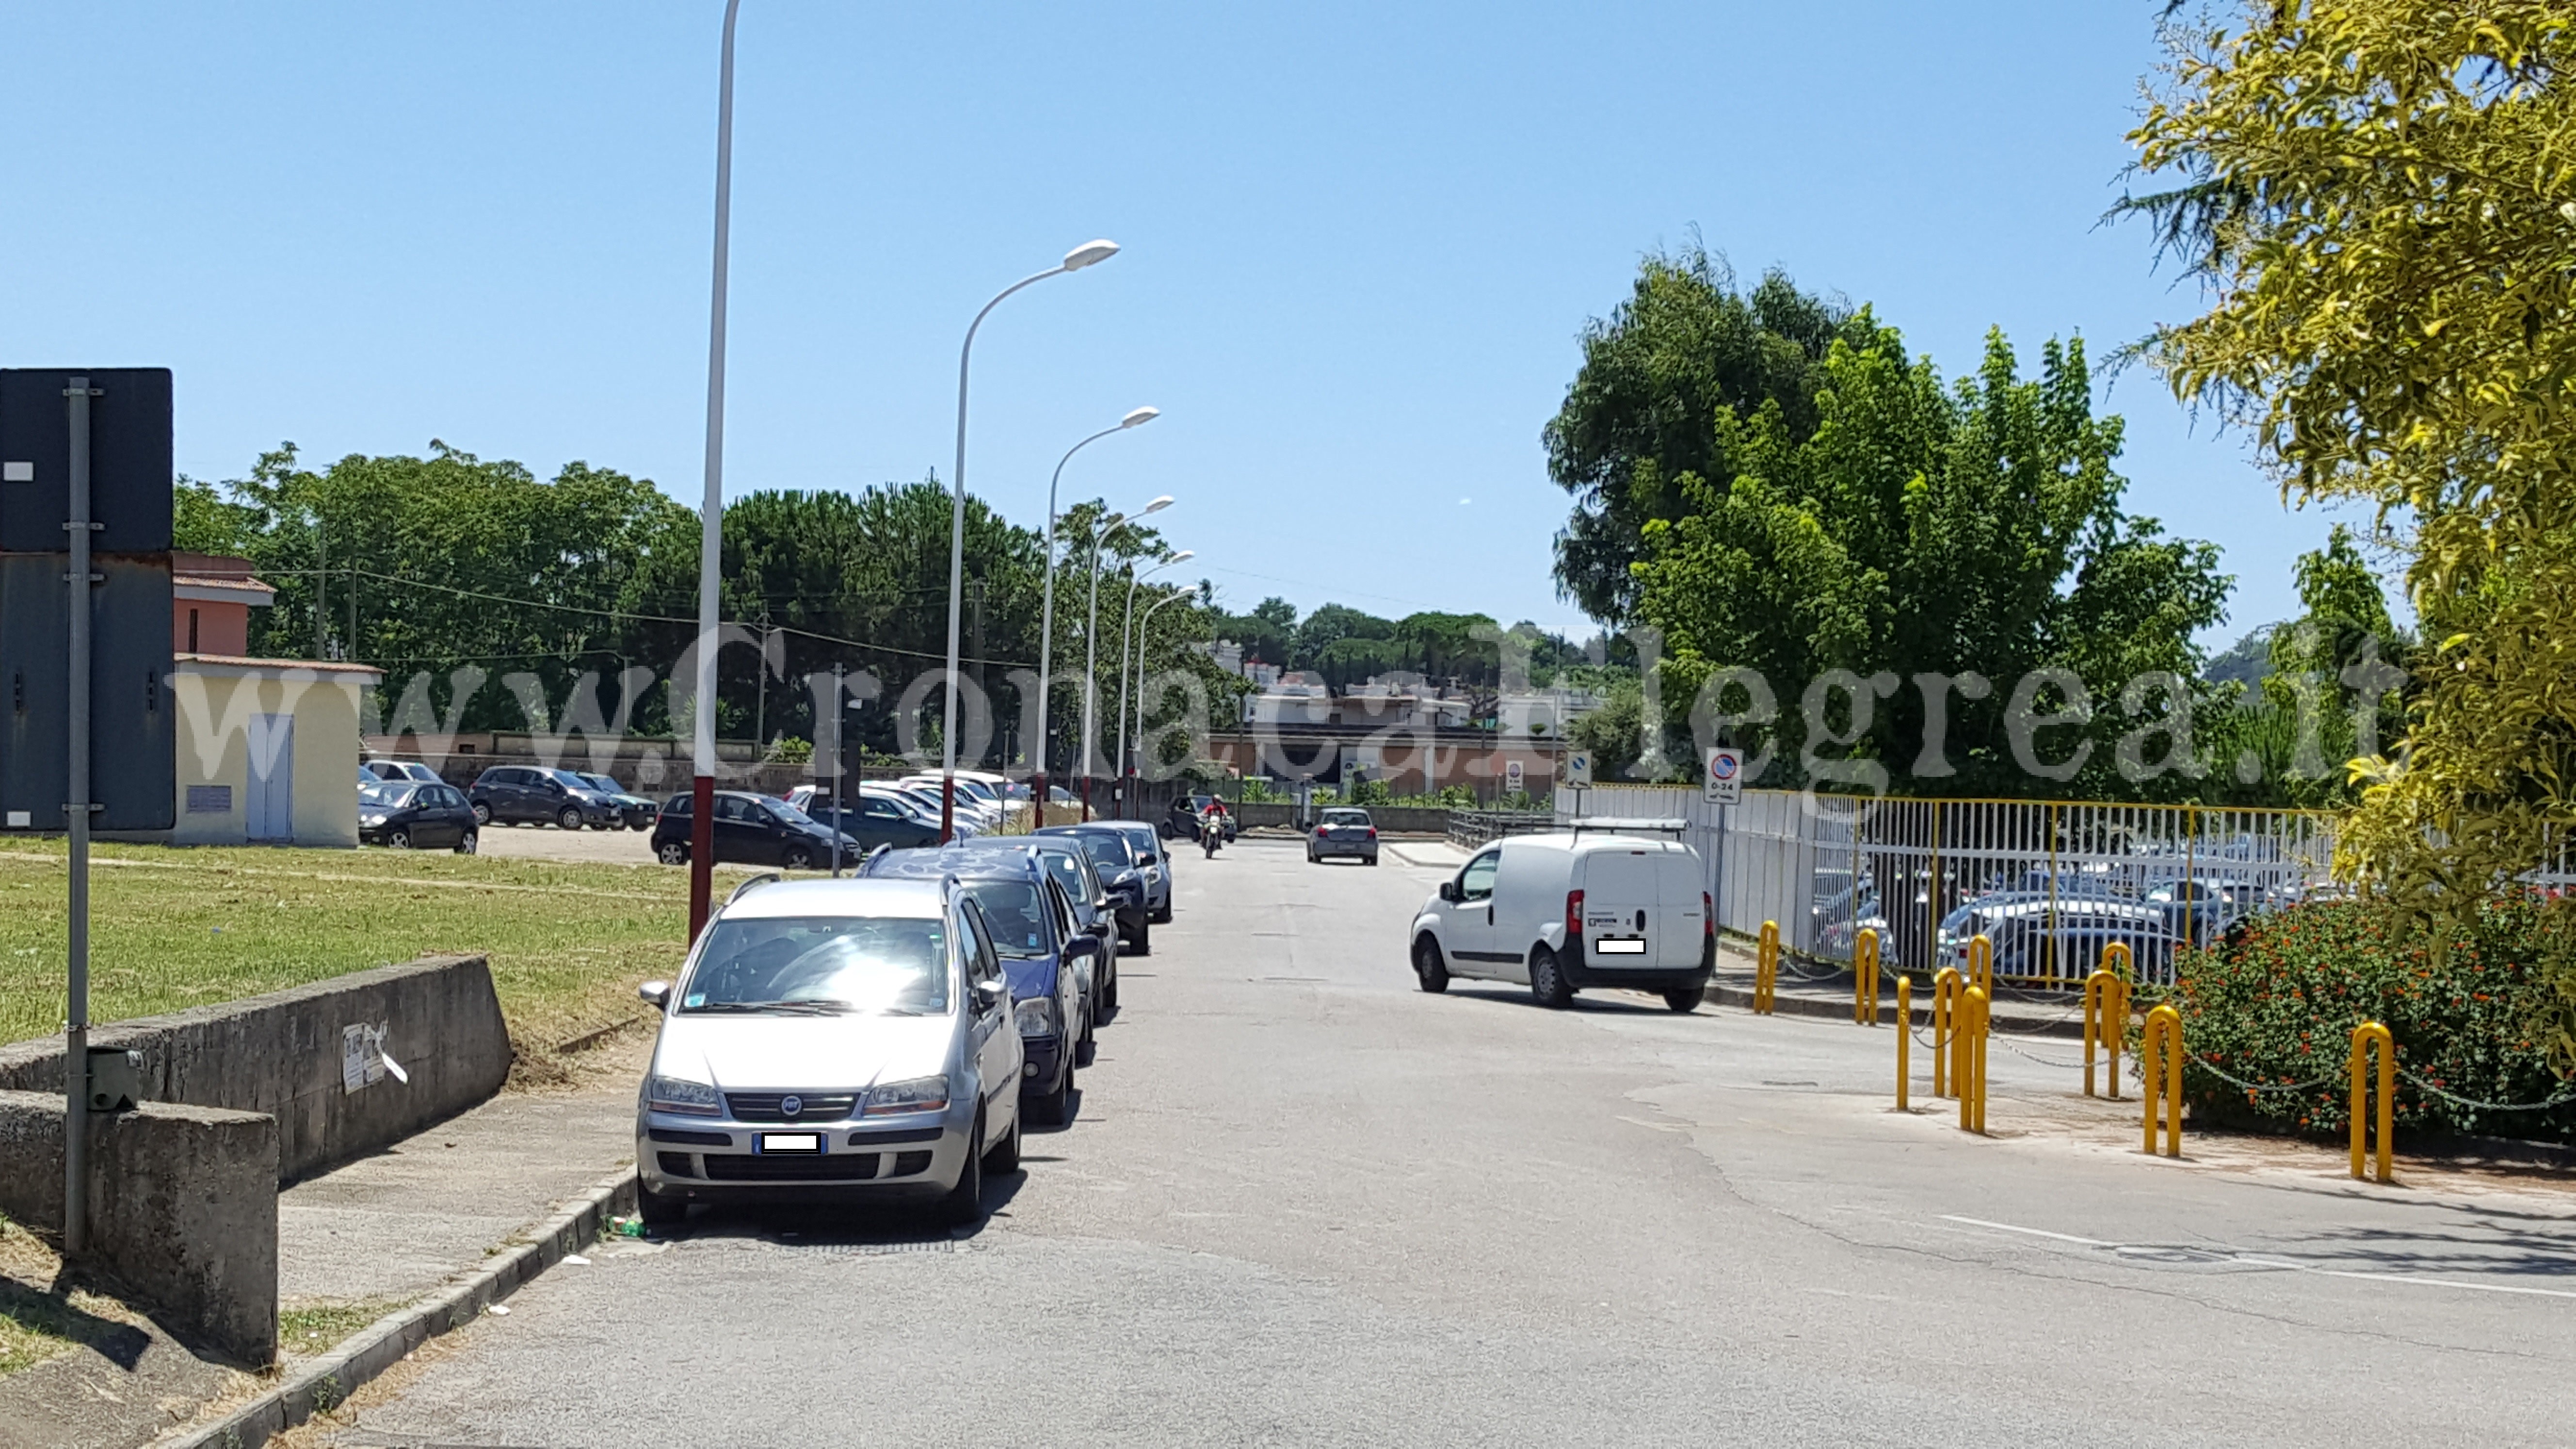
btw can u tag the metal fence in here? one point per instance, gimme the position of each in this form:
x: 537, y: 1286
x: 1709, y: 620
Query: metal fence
x: 2050, y: 883
x: 1471, y: 828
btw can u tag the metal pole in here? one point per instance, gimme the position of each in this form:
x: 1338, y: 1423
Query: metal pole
x: 1046, y: 623
x: 1141, y: 627
x: 1091, y: 665
x: 1126, y: 630
x: 702, y: 796
x: 837, y: 806
x: 76, y: 817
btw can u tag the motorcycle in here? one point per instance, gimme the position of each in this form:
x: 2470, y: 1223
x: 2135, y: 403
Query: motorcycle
x: 1210, y: 838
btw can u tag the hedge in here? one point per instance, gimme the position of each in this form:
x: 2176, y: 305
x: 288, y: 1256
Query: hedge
x: 2276, y: 1001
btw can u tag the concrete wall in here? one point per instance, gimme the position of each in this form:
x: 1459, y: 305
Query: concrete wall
x: 280, y: 1054
x: 217, y: 702
x: 182, y: 1210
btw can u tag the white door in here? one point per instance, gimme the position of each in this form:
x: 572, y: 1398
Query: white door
x: 270, y: 810
x: 1467, y: 924
x: 1621, y: 899
x: 1680, y: 899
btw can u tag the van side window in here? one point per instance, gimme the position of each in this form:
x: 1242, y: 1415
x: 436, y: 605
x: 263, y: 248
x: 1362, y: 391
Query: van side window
x: 1476, y: 882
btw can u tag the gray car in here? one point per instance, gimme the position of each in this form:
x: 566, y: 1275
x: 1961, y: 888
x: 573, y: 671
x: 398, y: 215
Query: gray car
x: 842, y: 1040
x: 1345, y: 830
x: 1156, y: 864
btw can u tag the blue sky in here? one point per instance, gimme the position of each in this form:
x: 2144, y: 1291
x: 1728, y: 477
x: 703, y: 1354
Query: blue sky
x: 1360, y: 241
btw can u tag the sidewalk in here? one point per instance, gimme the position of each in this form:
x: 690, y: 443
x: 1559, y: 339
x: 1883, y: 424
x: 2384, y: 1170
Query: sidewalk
x: 354, y: 1245
x: 1804, y: 989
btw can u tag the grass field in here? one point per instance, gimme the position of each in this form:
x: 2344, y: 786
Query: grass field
x: 172, y: 929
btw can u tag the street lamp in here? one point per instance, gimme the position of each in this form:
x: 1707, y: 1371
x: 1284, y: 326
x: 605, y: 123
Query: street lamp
x: 1091, y: 649
x: 1126, y: 623
x: 1142, y: 625
x: 1046, y: 627
x: 702, y: 788
x: 1088, y: 254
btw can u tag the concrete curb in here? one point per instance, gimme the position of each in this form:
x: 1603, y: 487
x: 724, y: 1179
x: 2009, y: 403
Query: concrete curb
x: 1840, y: 1009
x: 327, y: 1382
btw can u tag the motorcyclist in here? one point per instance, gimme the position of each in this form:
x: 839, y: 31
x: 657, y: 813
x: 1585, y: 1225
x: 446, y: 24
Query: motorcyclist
x: 1212, y: 826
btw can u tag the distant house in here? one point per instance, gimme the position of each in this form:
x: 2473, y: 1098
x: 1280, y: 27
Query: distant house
x: 267, y: 748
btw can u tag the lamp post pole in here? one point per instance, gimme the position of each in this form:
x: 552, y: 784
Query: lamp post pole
x: 1142, y: 625
x: 1126, y: 625
x: 1091, y: 651
x: 1074, y: 261
x: 1046, y: 626
x: 702, y: 786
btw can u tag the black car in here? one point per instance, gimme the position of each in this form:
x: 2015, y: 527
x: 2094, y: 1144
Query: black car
x: 1183, y: 821
x: 750, y: 830
x: 873, y: 820
x: 526, y: 794
x: 637, y: 811
x: 1113, y: 858
x: 408, y: 815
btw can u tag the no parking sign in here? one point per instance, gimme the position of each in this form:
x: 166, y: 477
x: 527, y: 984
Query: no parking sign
x: 1725, y: 776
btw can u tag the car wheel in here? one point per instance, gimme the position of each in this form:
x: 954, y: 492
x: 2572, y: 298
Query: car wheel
x: 672, y: 852
x: 1162, y: 917
x: 1428, y: 966
x: 1089, y: 1050
x: 1685, y: 999
x: 569, y: 817
x: 659, y: 1209
x: 1547, y: 979
x: 1109, y: 992
x: 965, y: 1202
x: 1368, y: 860
x: 797, y: 857
x: 466, y: 843
x: 1055, y: 1106
x: 1005, y: 1156
x: 397, y: 840
x: 1143, y: 941
x: 482, y: 813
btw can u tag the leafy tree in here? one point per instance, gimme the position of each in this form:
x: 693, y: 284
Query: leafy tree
x: 1661, y: 378
x: 2381, y: 203
x: 1276, y: 612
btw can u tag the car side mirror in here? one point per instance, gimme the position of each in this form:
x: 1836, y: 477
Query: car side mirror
x: 1450, y: 892
x: 989, y: 994
x: 654, y: 993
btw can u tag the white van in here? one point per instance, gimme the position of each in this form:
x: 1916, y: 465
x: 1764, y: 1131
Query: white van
x: 1604, y: 904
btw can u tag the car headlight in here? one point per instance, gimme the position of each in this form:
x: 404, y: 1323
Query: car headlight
x: 675, y: 1094
x: 371, y: 820
x: 1036, y: 1016
x: 920, y: 1094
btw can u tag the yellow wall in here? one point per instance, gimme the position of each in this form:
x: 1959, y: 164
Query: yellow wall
x: 216, y: 703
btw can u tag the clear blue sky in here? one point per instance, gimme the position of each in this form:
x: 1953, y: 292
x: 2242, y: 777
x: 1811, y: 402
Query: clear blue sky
x: 1360, y: 241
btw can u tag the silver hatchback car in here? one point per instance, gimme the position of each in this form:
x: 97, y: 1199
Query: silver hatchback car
x: 844, y: 1040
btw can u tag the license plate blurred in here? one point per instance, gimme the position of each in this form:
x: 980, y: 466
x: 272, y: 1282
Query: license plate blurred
x: 1631, y: 947
x: 791, y: 1144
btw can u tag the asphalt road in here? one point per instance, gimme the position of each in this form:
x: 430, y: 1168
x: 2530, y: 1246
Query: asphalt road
x: 1305, y: 1203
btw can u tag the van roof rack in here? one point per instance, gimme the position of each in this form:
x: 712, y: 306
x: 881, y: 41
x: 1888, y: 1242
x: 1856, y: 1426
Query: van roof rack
x: 1631, y: 825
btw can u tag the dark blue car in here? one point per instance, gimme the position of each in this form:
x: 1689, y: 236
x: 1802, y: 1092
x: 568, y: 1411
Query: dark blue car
x: 1043, y: 954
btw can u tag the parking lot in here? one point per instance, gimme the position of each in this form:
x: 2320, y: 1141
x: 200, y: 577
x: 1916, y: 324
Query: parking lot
x: 1302, y: 1202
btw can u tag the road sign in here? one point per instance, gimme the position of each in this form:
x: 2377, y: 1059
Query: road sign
x: 129, y: 459
x: 1512, y: 776
x: 130, y: 724
x: 1725, y: 776
x: 1578, y: 767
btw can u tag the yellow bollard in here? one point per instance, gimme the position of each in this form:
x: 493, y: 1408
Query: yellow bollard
x: 1766, y: 970
x: 1981, y: 963
x: 2106, y: 1012
x: 1904, y: 1036
x: 1968, y: 1074
x: 1945, y: 1026
x: 1865, y: 978
x: 2164, y: 1076
x: 2362, y: 1037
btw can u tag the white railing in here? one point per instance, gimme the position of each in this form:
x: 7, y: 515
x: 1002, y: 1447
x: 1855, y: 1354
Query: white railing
x: 2050, y: 882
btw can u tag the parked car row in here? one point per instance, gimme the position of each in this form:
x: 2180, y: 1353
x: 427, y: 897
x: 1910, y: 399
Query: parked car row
x: 883, y: 1038
x: 529, y: 795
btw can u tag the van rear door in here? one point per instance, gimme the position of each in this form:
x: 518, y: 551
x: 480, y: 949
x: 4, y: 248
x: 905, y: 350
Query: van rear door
x: 1621, y: 904
x: 1678, y: 886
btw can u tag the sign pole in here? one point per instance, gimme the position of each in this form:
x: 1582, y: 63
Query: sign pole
x: 76, y: 813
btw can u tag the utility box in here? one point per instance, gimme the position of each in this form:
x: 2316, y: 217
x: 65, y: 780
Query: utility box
x: 115, y: 1079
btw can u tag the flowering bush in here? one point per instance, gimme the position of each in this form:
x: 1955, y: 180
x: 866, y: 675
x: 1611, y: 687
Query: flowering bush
x: 2276, y: 1003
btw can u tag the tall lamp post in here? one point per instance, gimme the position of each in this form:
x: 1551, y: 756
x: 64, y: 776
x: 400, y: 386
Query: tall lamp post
x: 1046, y: 626
x: 1142, y: 625
x: 1088, y: 254
x: 1091, y: 650
x: 702, y: 787
x: 1127, y: 623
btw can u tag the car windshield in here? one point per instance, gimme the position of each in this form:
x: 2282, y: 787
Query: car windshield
x: 787, y: 812
x: 386, y: 792
x: 1346, y: 817
x: 567, y: 777
x: 838, y: 965
x: 1014, y: 913
x: 604, y: 783
x: 1106, y: 849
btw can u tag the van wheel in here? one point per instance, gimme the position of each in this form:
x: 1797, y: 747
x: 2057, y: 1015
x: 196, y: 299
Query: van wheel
x: 965, y: 1202
x: 1428, y: 965
x: 1685, y: 999
x: 1547, y: 980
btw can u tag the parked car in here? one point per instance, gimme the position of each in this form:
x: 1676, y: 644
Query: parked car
x: 872, y: 820
x: 1344, y: 830
x: 402, y: 770
x: 1051, y: 963
x: 408, y: 815
x: 967, y: 818
x: 1560, y: 912
x: 528, y: 795
x: 750, y: 830
x: 1113, y: 857
x: 637, y: 811
x: 848, y: 1040
x: 1151, y: 862
x: 974, y: 800
x: 2035, y: 937
x: 1095, y: 911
